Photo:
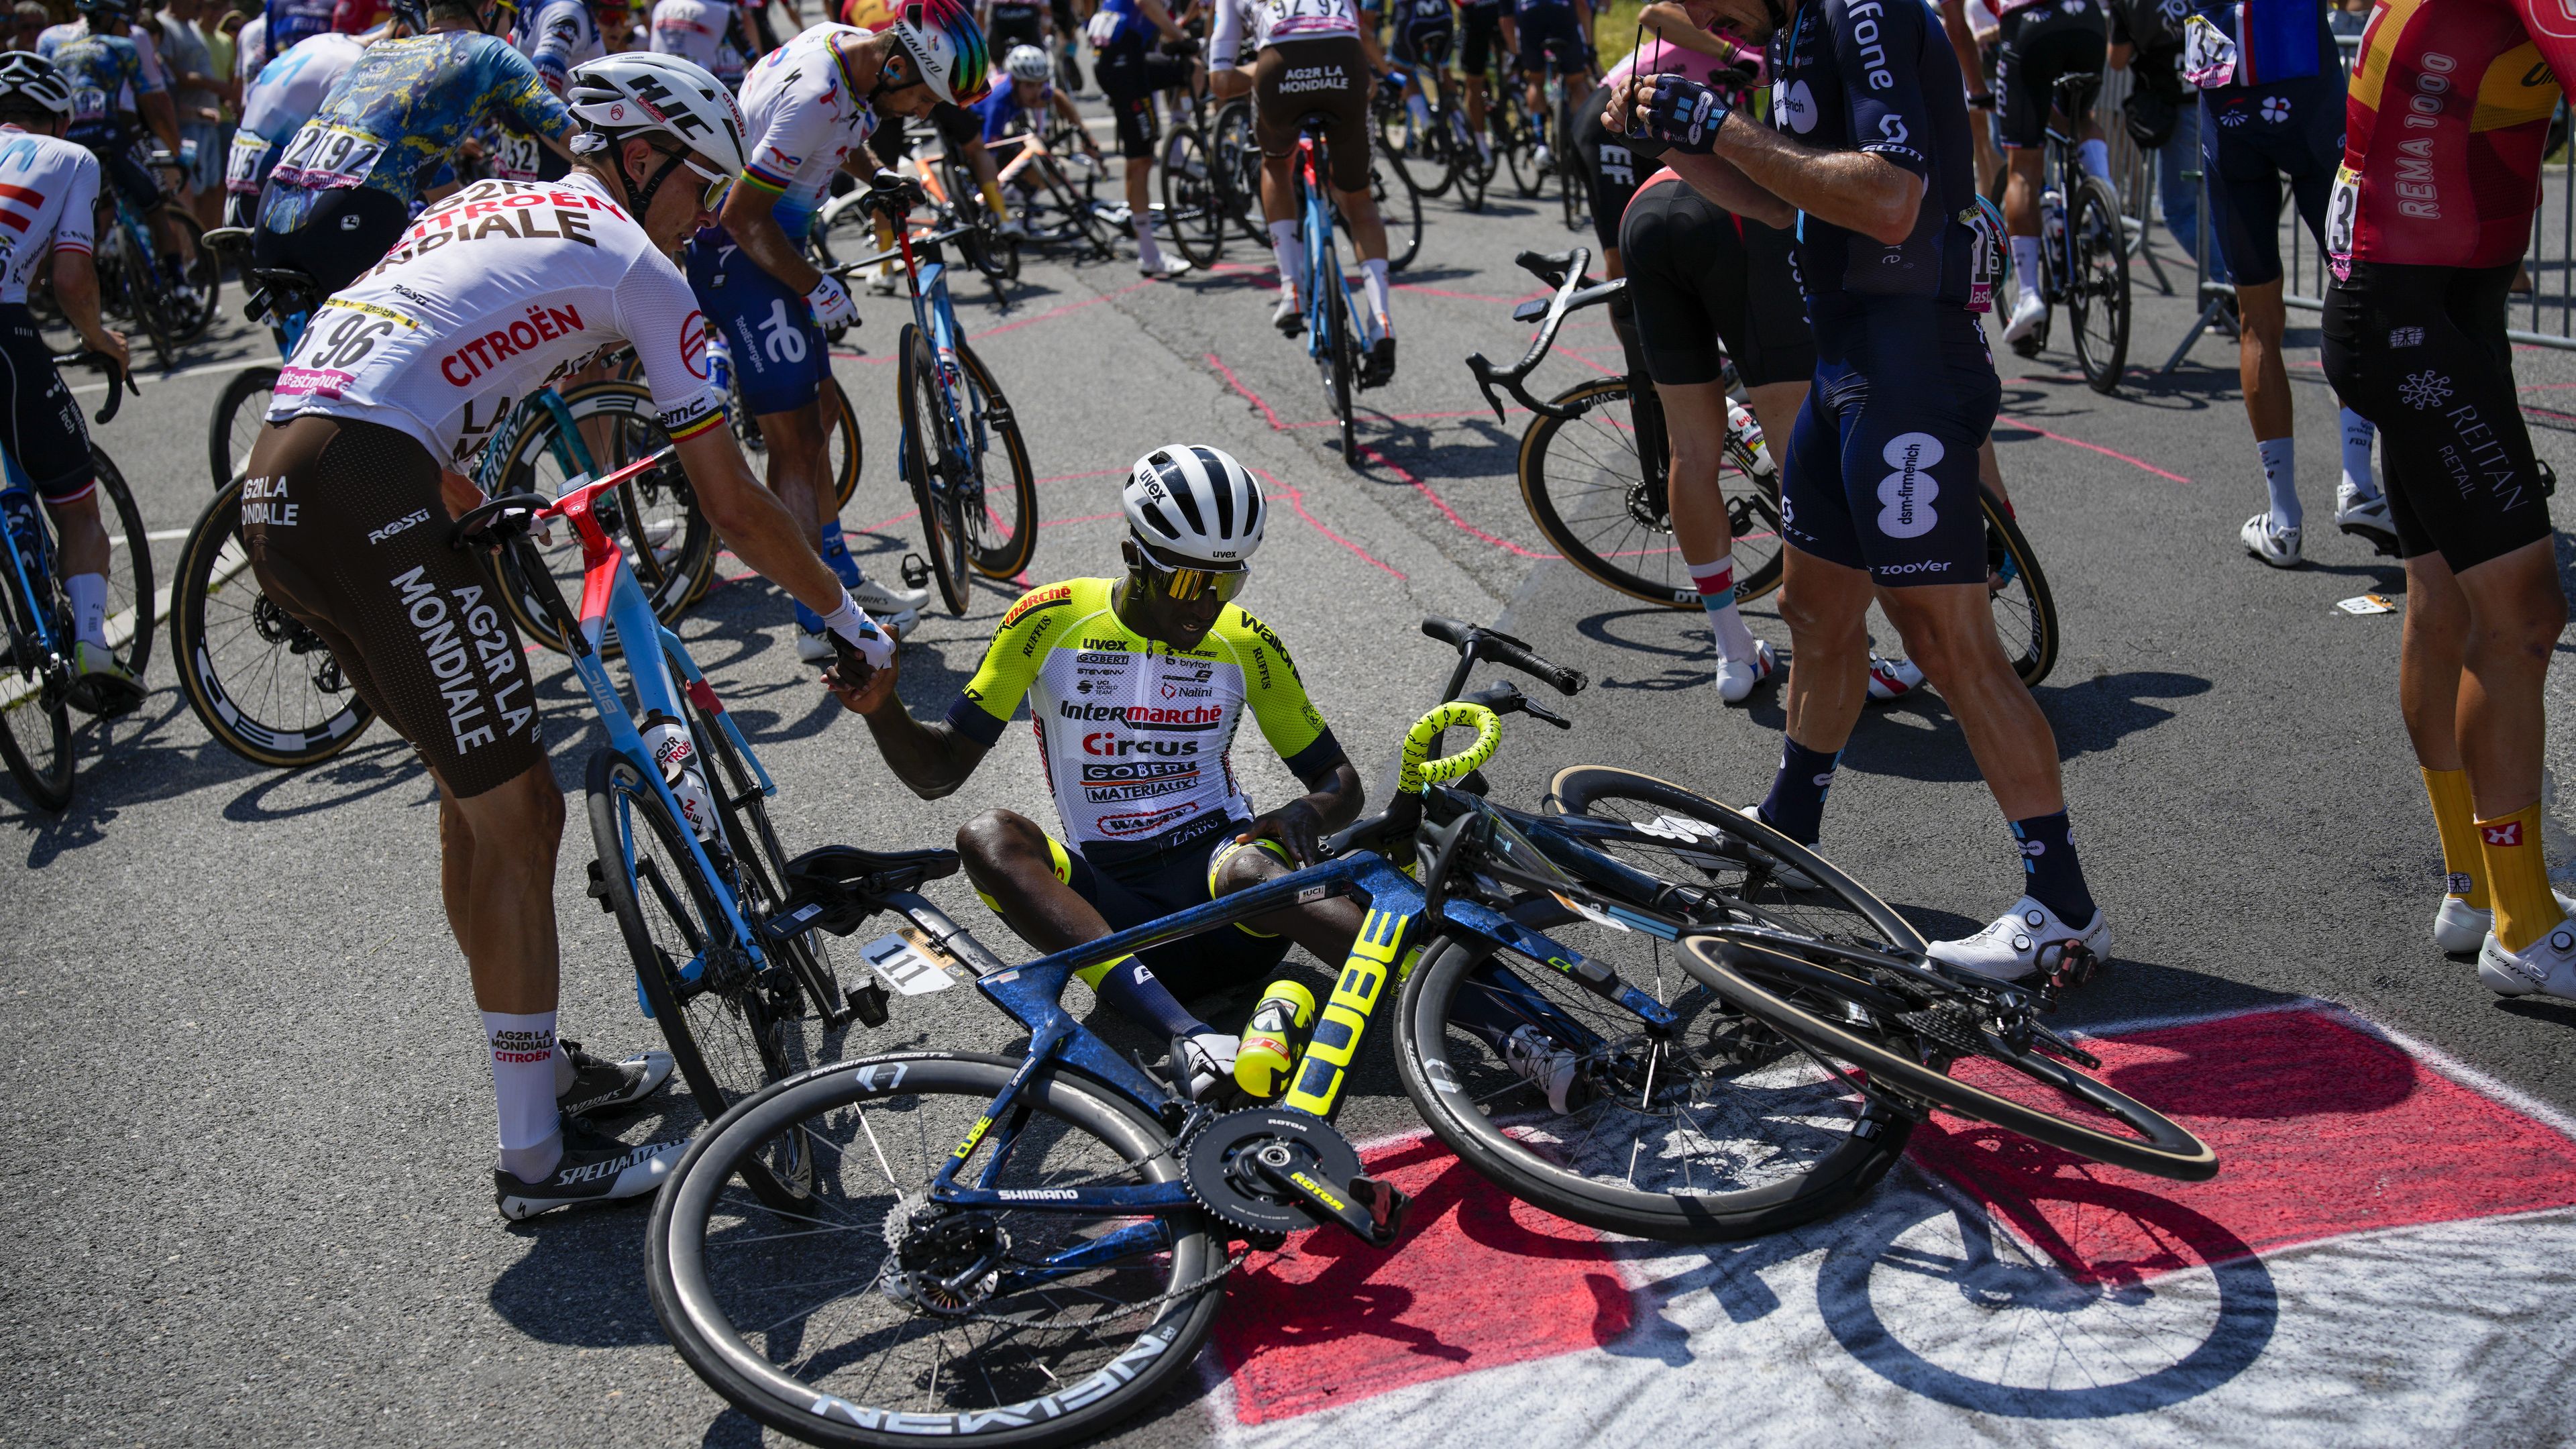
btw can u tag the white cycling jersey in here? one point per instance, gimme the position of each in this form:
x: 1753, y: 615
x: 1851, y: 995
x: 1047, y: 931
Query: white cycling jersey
x: 48, y: 193
x: 803, y: 120
x: 560, y: 36
x: 285, y: 96
x: 696, y: 30
x: 494, y: 293
x: 250, y: 48
x: 1244, y: 28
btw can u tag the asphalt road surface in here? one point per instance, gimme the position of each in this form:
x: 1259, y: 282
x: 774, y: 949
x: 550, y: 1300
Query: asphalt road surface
x: 250, y: 1112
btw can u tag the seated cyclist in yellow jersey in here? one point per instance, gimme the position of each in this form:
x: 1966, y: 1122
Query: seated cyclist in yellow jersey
x: 1135, y: 687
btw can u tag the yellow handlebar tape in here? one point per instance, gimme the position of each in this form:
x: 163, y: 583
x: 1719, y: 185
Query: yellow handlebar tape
x: 1419, y: 772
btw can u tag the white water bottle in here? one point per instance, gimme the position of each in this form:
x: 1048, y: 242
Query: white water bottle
x: 667, y: 741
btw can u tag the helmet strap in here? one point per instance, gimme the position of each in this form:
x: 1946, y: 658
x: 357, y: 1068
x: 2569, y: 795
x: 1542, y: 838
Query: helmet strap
x: 643, y: 201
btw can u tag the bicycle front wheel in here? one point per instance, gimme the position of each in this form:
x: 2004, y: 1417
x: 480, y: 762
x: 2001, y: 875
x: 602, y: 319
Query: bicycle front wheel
x: 1190, y: 206
x: 1687, y: 1135
x: 200, y: 292
x: 1237, y: 160
x: 2097, y: 296
x: 241, y: 410
x: 265, y: 686
x: 930, y: 465
x: 667, y: 541
x: 841, y: 449
x: 1001, y: 525
x: 2025, y: 614
x: 735, y: 1022
x: 869, y: 1307
x: 132, y: 604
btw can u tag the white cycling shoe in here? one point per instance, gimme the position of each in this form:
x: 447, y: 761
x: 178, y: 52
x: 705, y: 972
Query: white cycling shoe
x: 2278, y: 547
x: 2365, y: 517
x: 2460, y: 928
x: 1892, y: 679
x: 1209, y: 1061
x: 2027, y: 314
x: 1165, y: 269
x: 1738, y: 678
x: 2021, y: 941
x: 1288, y: 316
x: 2546, y: 967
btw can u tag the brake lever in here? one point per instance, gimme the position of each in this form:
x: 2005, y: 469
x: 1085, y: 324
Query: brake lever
x: 1542, y: 713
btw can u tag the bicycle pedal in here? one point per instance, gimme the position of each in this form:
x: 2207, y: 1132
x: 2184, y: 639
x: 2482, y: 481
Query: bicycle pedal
x: 1386, y: 1206
x: 2074, y: 966
x: 916, y: 571
x: 597, y: 890
x: 870, y: 1002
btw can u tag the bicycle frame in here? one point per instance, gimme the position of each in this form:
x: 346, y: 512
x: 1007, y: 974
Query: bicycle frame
x: 936, y: 316
x: 22, y: 588
x: 1315, y: 205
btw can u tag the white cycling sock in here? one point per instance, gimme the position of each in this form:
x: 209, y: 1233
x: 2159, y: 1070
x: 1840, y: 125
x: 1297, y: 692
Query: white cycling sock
x: 1289, y: 253
x: 2095, y: 158
x: 1149, y: 253
x: 2025, y: 250
x: 2281, y: 477
x: 2357, y: 433
x: 89, y: 605
x: 1716, y: 585
x: 1373, y: 279
x: 523, y: 1090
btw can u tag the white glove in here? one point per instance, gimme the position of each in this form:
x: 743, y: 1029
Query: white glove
x: 855, y: 628
x: 831, y: 303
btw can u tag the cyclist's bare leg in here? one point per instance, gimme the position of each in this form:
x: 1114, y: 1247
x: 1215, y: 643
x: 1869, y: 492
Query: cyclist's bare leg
x: 796, y: 467
x: 1007, y: 857
x: 2021, y: 189
x: 497, y: 873
x: 1695, y: 422
x: 2262, y: 317
x: 1949, y: 633
x: 1326, y: 928
x: 80, y: 540
x: 2430, y: 681
x: 1775, y: 407
x: 2488, y: 635
x: 1826, y: 607
x: 1368, y: 232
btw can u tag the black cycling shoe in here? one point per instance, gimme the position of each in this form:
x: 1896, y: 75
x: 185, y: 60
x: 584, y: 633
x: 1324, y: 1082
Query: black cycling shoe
x: 594, y: 1169
x: 599, y: 1086
x: 103, y: 686
x: 1379, y: 368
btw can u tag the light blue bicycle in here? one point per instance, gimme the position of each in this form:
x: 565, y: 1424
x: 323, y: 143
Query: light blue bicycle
x: 1338, y: 335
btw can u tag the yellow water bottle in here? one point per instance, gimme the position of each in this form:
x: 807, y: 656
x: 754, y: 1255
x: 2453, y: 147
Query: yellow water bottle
x: 1271, y: 1038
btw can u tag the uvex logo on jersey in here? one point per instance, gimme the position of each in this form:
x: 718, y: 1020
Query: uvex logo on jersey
x: 1146, y: 716
x: 520, y: 210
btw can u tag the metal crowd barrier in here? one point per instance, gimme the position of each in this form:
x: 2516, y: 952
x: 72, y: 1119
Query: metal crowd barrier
x: 2547, y: 308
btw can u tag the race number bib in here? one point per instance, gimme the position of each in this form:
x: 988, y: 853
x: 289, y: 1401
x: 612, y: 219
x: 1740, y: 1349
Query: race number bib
x: 89, y: 103
x: 241, y: 164
x: 1102, y: 31
x: 323, y: 155
x: 2343, y: 215
x: 515, y: 157
x: 1293, y: 18
x: 2208, y: 55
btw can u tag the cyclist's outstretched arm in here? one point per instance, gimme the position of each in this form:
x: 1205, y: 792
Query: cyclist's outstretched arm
x: 755, y: 525
x: 76, y: 292
x: 750, y: 218
x: 931, y: 759
x: 1720, y: 182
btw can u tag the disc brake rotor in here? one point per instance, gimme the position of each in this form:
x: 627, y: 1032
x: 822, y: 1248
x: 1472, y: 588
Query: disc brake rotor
x: 1219, y: 1166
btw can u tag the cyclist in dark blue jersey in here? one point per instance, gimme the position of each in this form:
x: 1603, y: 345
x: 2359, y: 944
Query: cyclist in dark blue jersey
x: 1871, y: 160
x: 1558, y: 31
x: 292, y: 22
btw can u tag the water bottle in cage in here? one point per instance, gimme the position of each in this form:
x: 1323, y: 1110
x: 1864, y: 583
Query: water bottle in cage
x: 26, y: 530
x: 676, y: 756
x: 949, y: 372
x: 720, y: 363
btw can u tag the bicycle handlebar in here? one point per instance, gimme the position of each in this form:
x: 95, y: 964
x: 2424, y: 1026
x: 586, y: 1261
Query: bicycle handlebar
x: 1474, y: 642
x: 120, y: 381
x: 1574, y: 291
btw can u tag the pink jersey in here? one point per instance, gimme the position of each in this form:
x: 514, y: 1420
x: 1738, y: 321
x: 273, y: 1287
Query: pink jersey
x: 1658, y: 56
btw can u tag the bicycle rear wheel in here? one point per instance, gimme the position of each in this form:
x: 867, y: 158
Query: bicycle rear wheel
x: 1399, y: 209
x: 1684, y: 1138
x: 2020, y: 1090
x: 241, y: 410
x: 1473, y: 171
x: 735, y: 1023
x: 200, y: 294
x: 265, y: 686
x: 1339, y: 365
x: 818, y: 1326
x: 1515, y: 141
x: 132, y: 603
x: 2097, y: 296
x: 1190, y: 206
x: 1237, y: 161
x: 930, y: 465
x: 2025, y: 613
x: 1001, y: 528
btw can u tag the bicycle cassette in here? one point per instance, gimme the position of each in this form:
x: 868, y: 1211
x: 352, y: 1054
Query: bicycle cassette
x: 1272, y: 1171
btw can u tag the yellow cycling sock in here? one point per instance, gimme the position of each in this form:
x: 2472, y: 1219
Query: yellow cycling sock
x: 2517, y: 880
x: 993, y: 198
x: 2456, y: 819
x: 1090, y: 975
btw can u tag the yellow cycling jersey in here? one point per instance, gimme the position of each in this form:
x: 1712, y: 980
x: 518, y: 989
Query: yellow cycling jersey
x: 1135, y: 735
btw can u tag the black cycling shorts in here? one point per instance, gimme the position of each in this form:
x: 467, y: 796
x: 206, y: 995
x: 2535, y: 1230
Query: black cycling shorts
x: 2421, y: 352
x: 348, y: 231
x: 1480, y: 36
x: 1700, y: 276
x: 1024, y: 28
x: 1301, y: 77
x: 1424, y: 33
x: 1552, y: 32
x: 1132, y: 889
x: 41, y: 424
x: 1130, y: 75
x: 1882, y: 466
x: 347, y: 533
x: 1613, y: 171
x: 2248, y: 142
x: 2040, y: 44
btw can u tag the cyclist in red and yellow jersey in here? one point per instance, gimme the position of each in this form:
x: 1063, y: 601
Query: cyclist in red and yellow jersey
x: 2446, y: 123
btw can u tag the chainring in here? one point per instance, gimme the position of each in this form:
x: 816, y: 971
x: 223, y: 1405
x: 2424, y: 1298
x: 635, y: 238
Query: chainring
x: 1218, y: 1169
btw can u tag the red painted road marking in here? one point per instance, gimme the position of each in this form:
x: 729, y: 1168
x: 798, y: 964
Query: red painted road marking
x: 2321, y: 1130
x: 1480, y: 1281
x: 2009, y: 421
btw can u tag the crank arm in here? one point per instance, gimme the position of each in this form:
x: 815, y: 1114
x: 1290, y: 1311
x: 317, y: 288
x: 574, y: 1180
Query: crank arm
x: 1370, y: 1208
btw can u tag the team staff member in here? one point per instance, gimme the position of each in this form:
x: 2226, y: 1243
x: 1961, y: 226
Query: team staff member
x: 809, y: 107
x: 2424, y: 247
x: 1309, y: 56
x: 52, y: 186
x: 344, y: 511
x: 1879, y: 498
x: 1132, y: 45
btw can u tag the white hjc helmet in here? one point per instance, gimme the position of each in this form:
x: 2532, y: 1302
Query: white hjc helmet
x: 1195, y: 506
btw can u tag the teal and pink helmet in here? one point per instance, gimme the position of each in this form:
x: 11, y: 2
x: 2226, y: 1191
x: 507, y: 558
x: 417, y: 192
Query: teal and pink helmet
x: 947, y: 48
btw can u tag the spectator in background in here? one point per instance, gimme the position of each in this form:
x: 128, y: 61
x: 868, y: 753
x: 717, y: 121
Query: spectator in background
x: 2163, y: 114
x: 27, y: 21
x: 198, y: 92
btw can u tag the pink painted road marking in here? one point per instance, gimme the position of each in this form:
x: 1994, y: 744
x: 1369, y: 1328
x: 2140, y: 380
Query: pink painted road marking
x: 2028, y: 427
x: 1249, y: 395
x: 1297, y: 499
x: 2321, y: 1129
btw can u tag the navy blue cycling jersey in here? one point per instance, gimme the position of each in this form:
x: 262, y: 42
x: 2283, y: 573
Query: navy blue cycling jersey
x: 293, y: 21
x: 1879, y: 76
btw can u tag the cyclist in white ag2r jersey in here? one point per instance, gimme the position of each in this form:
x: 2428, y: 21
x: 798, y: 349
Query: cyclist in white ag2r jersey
x: 494, y: 292
x: 700, y: 31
